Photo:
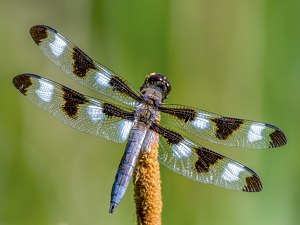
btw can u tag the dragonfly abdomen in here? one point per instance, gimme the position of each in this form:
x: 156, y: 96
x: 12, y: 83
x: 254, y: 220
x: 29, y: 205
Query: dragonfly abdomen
x: 127, y: 164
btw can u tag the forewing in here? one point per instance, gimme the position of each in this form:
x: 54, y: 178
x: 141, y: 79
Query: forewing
x: 83, y: 113
x: 79, y: 66
x: 193, y: 161
x: 223, y: 130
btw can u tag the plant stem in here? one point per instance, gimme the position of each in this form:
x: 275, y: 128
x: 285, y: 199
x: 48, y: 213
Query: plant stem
x: 147, y: 187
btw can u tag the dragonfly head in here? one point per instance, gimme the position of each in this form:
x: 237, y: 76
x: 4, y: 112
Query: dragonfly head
x: 160, y: 81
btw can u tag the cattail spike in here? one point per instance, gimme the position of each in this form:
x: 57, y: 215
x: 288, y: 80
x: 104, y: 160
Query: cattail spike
x: 147, y: 187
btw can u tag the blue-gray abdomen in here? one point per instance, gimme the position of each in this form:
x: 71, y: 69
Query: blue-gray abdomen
x: 127, y: 164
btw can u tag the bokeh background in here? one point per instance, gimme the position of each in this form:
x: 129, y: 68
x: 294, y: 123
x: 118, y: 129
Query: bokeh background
x: 238, y: 58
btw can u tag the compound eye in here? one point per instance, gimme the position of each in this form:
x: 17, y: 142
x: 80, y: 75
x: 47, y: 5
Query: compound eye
x: 162, y: 81
x: 154, y: 78
x: 168, y: 85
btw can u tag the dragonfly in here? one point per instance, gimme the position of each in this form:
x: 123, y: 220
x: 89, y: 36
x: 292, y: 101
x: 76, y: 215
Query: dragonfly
x: 146, y: 118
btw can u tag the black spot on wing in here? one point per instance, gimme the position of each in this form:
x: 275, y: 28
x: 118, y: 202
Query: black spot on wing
x: 206, y: 159
x: 121, y: 86
x: 253, y: 184
x: 111, y: 110
x: 277, y: 136
x: 72, y: 101
x: 183, y: 113
x: 39, y: 32
x: 172, y: 137
x: 82, y: 63
x: 22, y: 83
x: 226, y: 126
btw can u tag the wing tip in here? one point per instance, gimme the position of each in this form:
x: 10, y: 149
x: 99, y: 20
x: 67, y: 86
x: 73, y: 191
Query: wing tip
x: 253, y: 182
x: 22, y: 82
x: 40, y: 32
x: 278, y: 138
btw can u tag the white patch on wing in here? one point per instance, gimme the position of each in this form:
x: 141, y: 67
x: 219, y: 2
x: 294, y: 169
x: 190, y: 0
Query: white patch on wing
x: 127, y: 125
x: 181, y: 150
x: 45, y: 91
x: 58, y: 46
x: 95, y: 113
x: 102, y: 80
x: 231, y: 172
x: 254, y: 133
x: 200, y: 122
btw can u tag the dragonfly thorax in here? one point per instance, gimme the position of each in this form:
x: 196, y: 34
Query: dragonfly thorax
x: 146, y: 113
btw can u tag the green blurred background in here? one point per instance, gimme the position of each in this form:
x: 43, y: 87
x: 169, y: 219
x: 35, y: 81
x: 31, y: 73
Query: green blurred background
x: 236, y: 58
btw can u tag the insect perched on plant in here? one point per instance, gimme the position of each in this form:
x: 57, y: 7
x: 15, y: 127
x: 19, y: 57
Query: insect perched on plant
x: 141, y: 122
